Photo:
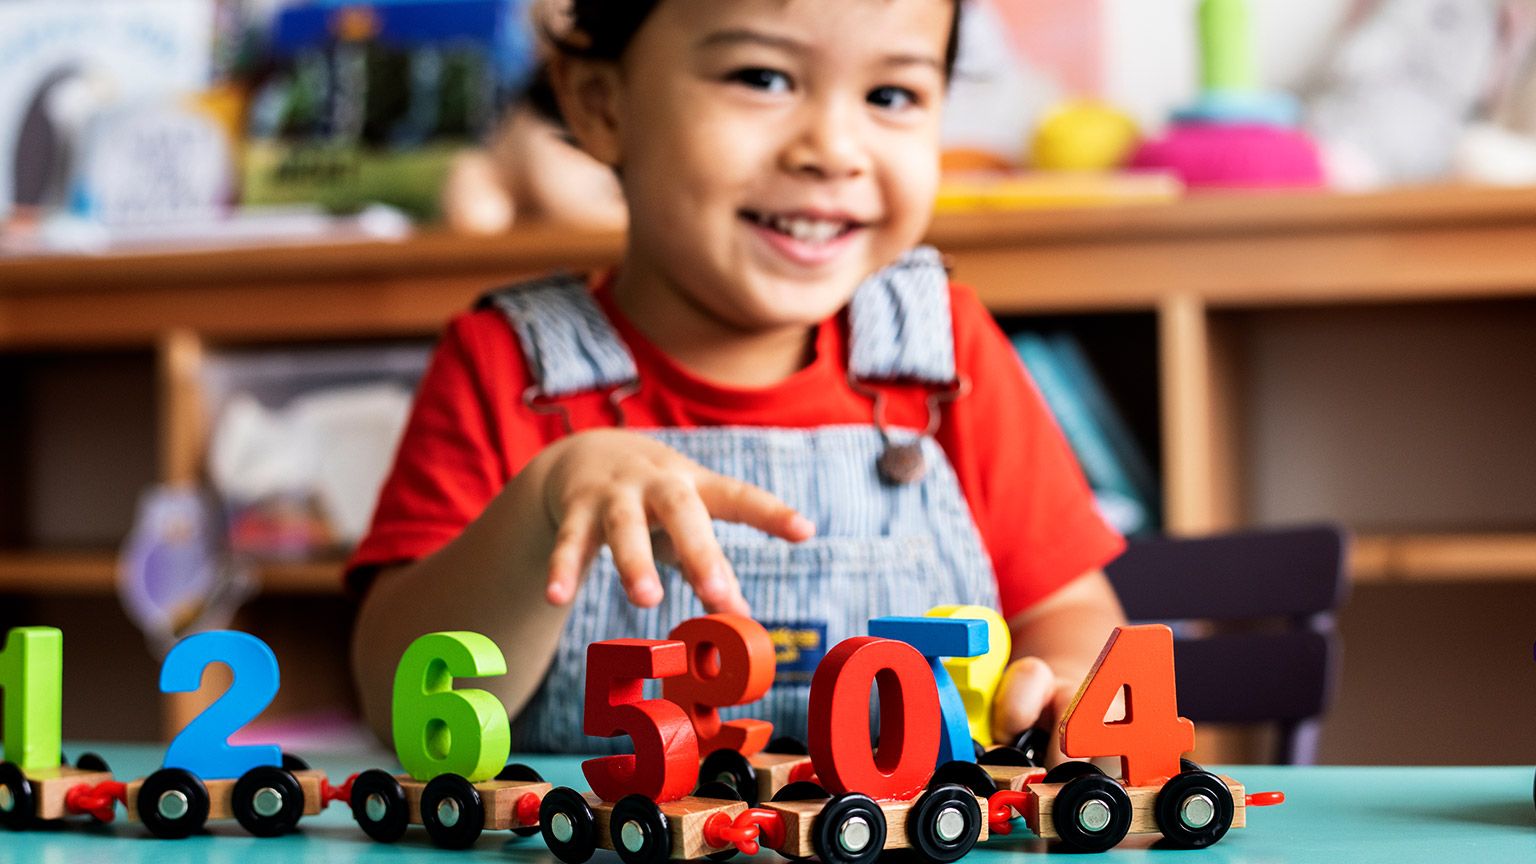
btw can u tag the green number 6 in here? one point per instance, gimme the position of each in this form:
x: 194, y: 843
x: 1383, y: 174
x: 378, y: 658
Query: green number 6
x: 440, y: 730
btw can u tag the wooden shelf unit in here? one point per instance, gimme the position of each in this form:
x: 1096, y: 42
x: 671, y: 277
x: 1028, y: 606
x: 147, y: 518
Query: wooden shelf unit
x: 1190, y: 265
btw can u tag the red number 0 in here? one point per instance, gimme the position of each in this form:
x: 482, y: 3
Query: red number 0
x: 838, y: 723
x: 732, y: 664
x: 1152, y: 736
x: 665, y: 765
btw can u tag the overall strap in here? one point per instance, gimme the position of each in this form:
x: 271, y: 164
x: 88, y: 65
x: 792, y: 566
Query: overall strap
x: 567, y: 341
x: 899, y: 323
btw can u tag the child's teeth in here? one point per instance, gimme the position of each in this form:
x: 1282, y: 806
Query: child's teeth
x: 813, y: 231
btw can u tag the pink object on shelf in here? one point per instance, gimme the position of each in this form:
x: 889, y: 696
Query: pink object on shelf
x: 1234, y: 156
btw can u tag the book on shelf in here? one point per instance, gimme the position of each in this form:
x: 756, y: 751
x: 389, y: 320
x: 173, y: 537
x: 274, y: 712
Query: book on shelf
x: 1124, y: 484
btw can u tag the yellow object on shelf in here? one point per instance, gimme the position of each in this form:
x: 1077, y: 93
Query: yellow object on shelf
x: 1083, y: 136
x: 1009, y: 190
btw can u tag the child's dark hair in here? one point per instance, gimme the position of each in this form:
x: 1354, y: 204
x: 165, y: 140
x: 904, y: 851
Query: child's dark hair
x: 602, y: 29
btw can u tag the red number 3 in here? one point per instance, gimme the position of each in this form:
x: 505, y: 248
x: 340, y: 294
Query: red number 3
x: 665, y: 765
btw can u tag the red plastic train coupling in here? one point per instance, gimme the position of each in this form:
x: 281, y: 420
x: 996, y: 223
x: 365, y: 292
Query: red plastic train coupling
x: 100, y: 801
x: 803, y: 771
x: 1000, y: 809
x: 1265, y: 799
x: 719, y: 830
x: 329, y: 793
x: 768, y: 823
x: 527, y: 809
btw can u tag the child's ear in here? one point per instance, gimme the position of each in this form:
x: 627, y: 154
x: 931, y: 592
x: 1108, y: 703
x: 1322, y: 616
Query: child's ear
x: 588, y: 92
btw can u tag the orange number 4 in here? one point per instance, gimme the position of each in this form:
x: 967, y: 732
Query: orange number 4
x: 1152, y: 736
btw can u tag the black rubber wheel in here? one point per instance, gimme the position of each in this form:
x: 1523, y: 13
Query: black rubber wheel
x: 452, y: 811
x: 268, y: 801
x: 718, y: 791
x: 801, y: 790
x: 1005, y: 754
x: 15, y: 786
x: 517, y: 771
x: 967, y: 774
x: 977, y: 750
x: 932, y: 825
x: 379, y: 806
x: 294, y: 763
x: 1067, y: 771
x: 566, y: 822
x: 92, y: 762
x: 1034, y: 744
x: 1194, y: 796
x: 787, y: 745
x: 638, y: 830
x: 1091, y: 813
x: 729, y: 766
x: 837, y: 835
x: 173, y: 804
x: 1189, y: 765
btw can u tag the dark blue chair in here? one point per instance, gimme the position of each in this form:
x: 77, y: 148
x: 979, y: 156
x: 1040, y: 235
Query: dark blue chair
x: 1253, y: 620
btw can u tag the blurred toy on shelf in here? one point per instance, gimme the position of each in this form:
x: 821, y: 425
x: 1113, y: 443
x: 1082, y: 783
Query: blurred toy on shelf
x: 302, y: 441
x: 371, y: 102
x: 1083, y: 135
x: 530, y: 172
x: 1236, y: 134
x: 74, y: 73
x: 1392, y: 100
x: 1499, y: 147
x: 175, y: 574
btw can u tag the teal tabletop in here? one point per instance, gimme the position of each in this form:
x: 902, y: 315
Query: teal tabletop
x: 1359, y: 815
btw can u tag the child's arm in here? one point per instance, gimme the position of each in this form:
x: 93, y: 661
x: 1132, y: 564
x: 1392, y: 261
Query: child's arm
x: 1055, y: 643
x: 513, y: 571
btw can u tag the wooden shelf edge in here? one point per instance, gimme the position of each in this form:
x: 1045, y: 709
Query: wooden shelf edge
x: 1441, y: 558
x: 95, y: 573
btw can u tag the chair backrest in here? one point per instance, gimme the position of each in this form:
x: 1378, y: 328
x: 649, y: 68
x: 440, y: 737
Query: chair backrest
x: 1252, y: 614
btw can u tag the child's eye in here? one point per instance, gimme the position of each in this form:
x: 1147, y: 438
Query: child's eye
x: 893, y: 98
x: 768, y: 80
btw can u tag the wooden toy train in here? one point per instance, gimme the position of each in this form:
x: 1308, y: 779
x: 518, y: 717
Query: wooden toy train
x: 934, y: 784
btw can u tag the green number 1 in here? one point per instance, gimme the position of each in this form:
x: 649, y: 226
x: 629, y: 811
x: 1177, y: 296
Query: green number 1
x: 32, y: 676
x: 440, y: 730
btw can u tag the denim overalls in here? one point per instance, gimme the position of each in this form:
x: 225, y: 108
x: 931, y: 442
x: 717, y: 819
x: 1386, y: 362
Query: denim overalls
x: 881, y: 548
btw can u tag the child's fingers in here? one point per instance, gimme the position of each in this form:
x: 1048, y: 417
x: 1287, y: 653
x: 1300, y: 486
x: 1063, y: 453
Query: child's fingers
x: 629, y: 537
x: 676, y: 505
x: 1023, y: 696
x: 575, y: 543
x: 736, y: 501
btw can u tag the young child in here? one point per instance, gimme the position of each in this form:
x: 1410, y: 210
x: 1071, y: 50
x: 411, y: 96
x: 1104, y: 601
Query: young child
x: 774, y: 406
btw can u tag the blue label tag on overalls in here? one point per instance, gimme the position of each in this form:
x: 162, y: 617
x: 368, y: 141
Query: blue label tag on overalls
x: 798, y: 647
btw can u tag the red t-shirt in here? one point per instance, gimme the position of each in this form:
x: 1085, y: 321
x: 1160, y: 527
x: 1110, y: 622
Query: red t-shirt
x: 470, y: 432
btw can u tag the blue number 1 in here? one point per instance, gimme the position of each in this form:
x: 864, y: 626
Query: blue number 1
x: 203, y: 746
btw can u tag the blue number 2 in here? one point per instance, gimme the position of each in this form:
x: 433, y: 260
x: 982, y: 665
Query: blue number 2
x: 203, y: 746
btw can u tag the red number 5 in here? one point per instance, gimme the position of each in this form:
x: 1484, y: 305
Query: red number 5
x: 665, y: 765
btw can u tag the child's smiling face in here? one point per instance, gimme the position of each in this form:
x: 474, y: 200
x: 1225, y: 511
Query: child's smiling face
x: 773, y: 152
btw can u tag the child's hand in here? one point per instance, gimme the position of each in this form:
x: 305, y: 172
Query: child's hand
x: 1031, y: 696
x: 611, y: 486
